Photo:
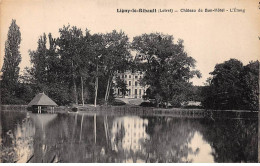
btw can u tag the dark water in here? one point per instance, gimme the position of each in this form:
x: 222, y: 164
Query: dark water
x: 79, y: 137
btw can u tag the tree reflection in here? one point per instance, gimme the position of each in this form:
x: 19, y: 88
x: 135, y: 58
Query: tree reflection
x: 71, y: 138
x: 233, y: 140
x: 17, y: 137
x: 169, y: 139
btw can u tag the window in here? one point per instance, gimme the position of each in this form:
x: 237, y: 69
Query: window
x: 129, y: 83
x: 135, y: 83
x: 140, y: 92
x: 136, y: 91
x: 125, y: 76
x: 140, y: 77
x: 136, y: 77
x: 129, y: 76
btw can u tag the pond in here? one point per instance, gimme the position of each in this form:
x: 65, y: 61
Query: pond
x: 90, y: 137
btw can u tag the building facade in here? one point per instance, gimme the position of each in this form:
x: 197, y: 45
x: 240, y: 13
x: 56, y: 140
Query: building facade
x: 132, y: 79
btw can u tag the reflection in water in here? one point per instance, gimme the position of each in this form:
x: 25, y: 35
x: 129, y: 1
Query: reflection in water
x: 169, y: 139
x: 201, y: 148
x: 17, y: 144
x: 128, y: 133
x: 233, y: 140
x: 79, y: 137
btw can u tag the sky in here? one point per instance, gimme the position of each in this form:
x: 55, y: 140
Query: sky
x: 209, y: 38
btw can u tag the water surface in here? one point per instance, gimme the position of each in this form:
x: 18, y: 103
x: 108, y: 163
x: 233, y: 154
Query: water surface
x: 82, y: 137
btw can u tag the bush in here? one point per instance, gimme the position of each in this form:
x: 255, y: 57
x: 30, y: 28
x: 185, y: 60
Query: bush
x: 117, y: 102
x: 148, y: 104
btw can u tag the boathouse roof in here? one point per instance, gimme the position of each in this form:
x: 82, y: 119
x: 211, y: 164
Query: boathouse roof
x: 42, y: 100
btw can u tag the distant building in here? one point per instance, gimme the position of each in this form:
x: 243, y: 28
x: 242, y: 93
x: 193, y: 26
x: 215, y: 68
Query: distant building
x: 132, y: 79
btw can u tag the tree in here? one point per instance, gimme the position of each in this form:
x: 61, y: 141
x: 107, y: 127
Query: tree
x: 226, y: 81
x: 39, y: 62
x: 116, y: 57
x: 233, y: 86
x: 46, y: 71
x: 11, y: 63
x: 70, y: 49
x: 167, y: 67
x: 250, y: 85
x: 121, y: 85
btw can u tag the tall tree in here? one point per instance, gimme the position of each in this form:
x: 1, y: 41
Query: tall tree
x: 39, y: 62
x: 117, y: 56
x: 47, y: 70
x: 167, y: 67
x: 12, y: 59
x: 226, y: 84
x: 250, y: 84
x: 233, y: 86
x: 85, y: 64
x: 70, y: 49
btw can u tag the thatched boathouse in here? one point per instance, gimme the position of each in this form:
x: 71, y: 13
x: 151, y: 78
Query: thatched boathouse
x: 41, y: 101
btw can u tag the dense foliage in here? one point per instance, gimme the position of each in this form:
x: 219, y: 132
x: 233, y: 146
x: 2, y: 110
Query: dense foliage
x: 167, y: 67
x: 68, y: 69
x: 76, y: 64
x: 233, y: 86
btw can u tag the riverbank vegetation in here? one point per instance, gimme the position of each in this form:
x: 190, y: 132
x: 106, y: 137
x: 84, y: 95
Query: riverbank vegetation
x: 232, y: 87
x: 77, y: 66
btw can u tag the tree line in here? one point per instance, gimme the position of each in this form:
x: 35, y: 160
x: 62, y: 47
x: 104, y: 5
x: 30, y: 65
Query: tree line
x: 77, y: 66
x: 232, y: 86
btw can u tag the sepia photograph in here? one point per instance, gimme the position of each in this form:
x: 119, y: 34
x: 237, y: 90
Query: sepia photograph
x: 129, y: 81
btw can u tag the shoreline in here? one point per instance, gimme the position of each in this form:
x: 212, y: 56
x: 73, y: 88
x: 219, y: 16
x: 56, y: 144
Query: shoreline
x: 92, y: 108
x: 146, y: 111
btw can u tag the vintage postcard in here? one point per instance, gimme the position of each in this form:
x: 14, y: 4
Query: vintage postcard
x: 129, y: 81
